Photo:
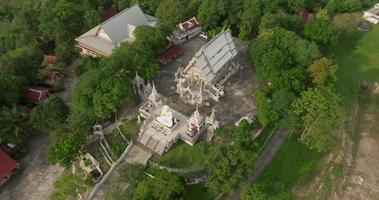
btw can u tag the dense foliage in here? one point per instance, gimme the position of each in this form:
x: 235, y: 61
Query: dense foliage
x: 228, y: 166
x: 163, y: 186
x: 48, y: 116
x: 12, y: 127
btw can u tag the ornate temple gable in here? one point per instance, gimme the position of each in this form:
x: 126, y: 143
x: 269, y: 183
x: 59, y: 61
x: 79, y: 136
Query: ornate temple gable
x: 203, y: 78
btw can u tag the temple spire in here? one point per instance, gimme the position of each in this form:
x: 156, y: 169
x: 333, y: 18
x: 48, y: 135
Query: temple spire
x: 154, y: 95
x: 213, y: 115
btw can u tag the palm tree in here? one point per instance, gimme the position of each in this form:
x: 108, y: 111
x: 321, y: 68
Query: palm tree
x: 12, y: 128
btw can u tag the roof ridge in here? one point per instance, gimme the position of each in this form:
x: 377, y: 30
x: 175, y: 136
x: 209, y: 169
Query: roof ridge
x: 126, y: 9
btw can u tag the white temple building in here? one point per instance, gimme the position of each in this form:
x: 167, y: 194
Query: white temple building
x: 203, y: 78
x: 164, y: 126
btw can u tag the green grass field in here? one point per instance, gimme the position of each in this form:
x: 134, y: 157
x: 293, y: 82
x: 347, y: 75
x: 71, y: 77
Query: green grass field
x: 357, y: 56
x: 182, y: 155
x: 293, y: 162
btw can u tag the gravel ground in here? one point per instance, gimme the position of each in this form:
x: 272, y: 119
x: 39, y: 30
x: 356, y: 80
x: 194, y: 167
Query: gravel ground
x: 37, y: 176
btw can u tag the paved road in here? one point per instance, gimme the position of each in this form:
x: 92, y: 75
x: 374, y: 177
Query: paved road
x: 264, y: 159
x: 37, y: 176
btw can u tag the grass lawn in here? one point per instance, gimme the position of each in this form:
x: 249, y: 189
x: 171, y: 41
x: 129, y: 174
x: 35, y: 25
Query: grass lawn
x: 130, y: 128
x: 116, y: 143
x: 261, y: 140
x: 357, y: 56
x: 94, y: 150
x: 197, y: 191
x: 293, y: 162
x: 182, y: 155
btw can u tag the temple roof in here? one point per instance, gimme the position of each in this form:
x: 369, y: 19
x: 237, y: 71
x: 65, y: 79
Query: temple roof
x: 213, y: 56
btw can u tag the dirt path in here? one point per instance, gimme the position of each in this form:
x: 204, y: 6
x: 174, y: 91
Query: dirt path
x: 37, y: 176
x: 264, y: 159
x: 70, y: 82
x: 362, y: 182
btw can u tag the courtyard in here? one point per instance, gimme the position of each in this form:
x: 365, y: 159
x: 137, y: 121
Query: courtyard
x: 238, y: 99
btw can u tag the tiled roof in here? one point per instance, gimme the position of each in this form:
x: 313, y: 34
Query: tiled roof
x: 50, y: 59
x: 171, y: 53
x: 7, y: 165
x: 37, y: 93
x: 188, y: 24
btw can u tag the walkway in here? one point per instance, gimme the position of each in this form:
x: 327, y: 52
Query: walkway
x: 36, y: 178
x: 264, y: 159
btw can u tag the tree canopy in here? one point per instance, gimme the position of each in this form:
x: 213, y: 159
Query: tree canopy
x: 164, y: 186
x: 12, y: 128
x: 48, y: 116
x: 228, y: 166
x: 322, y: 30
x: 319, y: 111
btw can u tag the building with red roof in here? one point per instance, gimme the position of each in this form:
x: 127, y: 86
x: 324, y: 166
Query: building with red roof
x: 51, y: 59
x: 170, y: 54
x: 107, y: 14
x: 188, y: 24
x: 305, y: 15
x: 52, y: 76
x: 7, y: 166
x: 185, y: 31
x: 37, y: 93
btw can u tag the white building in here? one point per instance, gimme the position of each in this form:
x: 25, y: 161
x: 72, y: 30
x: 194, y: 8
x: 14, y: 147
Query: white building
x: 102, y: 39
x: 203, y: 78
x: 164, y: 126
x: 185, y: 31
x: 372, y: 15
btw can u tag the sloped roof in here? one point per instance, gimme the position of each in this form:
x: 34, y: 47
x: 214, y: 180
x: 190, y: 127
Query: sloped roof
x: 36, y: 93
x: 118, y: 28
x: 50, y: 59
x: 171, y: 53
x: 215, y: 54
x: 188, y: 24
x: 7, y: 165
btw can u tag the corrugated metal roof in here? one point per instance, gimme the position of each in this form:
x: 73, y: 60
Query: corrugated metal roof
x: 215, y: 54
x: 118, y: 28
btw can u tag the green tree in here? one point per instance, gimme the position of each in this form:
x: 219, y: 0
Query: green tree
x: 171, y: 12
x: 101, y: 91
x: 228, y: 166
x: 319, y: 112
x: 164, y: 186
x: 212, y: 13
x: 281, y: 58
x: 46, y: 117
x: 265, y: 112
x: 322, y: 31
x: 23, y: 62
x: 66, y: 148
x: 12, y: 88
x: 254, y: 192
x: 133, y: 173
x: 150, y: 37
x: 12, y: 127
x: 322, y: 71
x: 136, y: 57
x: 295, y: 6
x: 62, y: 21
x: 68, y: 186
x: 250, y: 19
